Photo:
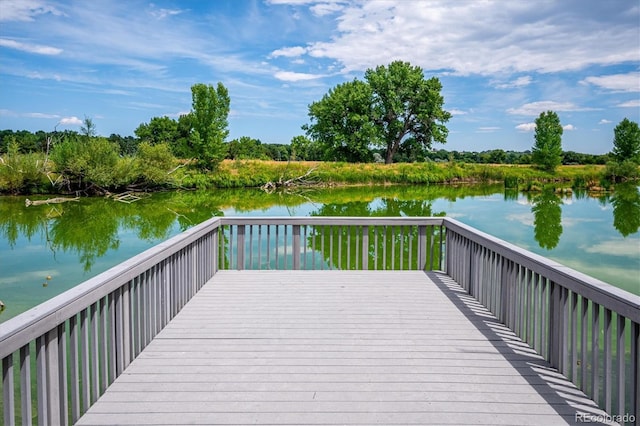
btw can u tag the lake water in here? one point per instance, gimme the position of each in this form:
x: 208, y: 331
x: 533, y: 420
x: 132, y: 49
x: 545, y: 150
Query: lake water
x: 47, y: 249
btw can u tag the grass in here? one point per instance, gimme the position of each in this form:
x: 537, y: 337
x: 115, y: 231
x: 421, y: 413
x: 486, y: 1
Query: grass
x: 255, y: 173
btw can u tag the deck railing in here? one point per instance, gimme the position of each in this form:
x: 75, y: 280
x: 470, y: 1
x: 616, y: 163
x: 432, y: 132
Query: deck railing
x: 59, y: 357
x: 587, y: 329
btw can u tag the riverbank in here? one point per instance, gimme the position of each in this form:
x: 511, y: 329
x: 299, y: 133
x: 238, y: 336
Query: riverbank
x: 274, y: 174
x: 256, y: 173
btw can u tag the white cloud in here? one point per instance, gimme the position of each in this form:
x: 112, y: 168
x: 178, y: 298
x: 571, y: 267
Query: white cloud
x: 28, y: 47
x: 163, y: 13
x: 322, y: 9
x: 40, y: 115
x: 71, y: 121
x: 457, y: 112
x: 514, y: 84
x: 604, y: 121
x: 295, y: 76
x: 535, y: 108
x: 526, y: 127
x: 289, y: 52
x: 510, y: 37
x: 569, y: 127
x: 487, y: 129
x: 626, y: 248
x: 629, y: 82
x: 25, y: 10
x: 630, y: 104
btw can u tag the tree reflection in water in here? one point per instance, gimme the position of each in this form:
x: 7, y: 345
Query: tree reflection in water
x: 547, y: 219
x: 626, y: 209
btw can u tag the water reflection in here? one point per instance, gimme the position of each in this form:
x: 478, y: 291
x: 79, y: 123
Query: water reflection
x: 626, y: 209
x: 92, y: 228
x: 73, y: 241
x: 547, y: 219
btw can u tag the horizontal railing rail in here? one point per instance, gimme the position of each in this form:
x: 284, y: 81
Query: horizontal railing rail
x: 59, y: 357
x: 587, y: 329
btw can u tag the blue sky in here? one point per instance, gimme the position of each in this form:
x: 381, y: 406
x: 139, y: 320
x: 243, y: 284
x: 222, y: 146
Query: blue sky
x: 501, y: 62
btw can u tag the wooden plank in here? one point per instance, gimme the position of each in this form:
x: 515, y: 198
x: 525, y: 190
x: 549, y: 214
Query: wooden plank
x: 329, y: 347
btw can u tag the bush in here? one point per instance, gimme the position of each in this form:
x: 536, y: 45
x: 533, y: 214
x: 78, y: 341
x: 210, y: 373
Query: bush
x: 22, y: 173
x: 153, y: 163
x: 86, y: 162
x: 620, y: 172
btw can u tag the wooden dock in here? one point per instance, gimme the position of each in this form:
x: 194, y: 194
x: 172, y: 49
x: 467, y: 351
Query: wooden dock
x: 338, y: 347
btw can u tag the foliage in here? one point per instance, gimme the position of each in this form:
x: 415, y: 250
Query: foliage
x: 88, y: 127
x: 621, y: 171
x: 22, y: 173
x: 547, y: 150
x: 547, y: 219
x: 626, y: 209
x: 303, y: 148
x: 86, y: 163
x: 245, y: 148
x: 405, y: 104
x: 394, y: 107
x: 128, y: 145
x: 153, y: 164
x: 159, y: 130
x: 210, y: 109
x: 342, y: 125
x: 626, y: 142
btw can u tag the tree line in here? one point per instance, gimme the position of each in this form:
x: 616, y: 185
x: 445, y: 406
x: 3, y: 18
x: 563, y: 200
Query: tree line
x: 394, y: 115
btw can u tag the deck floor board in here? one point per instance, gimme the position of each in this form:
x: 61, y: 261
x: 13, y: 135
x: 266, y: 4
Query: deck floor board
x: 337, y: 347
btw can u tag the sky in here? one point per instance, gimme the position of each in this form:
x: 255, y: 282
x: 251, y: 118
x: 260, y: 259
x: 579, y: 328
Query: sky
x: 501, y: 63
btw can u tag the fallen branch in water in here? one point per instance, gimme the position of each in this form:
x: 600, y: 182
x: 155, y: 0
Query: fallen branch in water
x: 302, y: 180
x: 57, y: 200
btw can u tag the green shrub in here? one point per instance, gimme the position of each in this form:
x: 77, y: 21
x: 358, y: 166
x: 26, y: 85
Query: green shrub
x: 86, y: 162
x: 22, y: 173
x: 153, y: 163
x: 620, y: 172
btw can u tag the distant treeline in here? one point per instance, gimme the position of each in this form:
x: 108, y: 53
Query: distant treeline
x: 246, y: 148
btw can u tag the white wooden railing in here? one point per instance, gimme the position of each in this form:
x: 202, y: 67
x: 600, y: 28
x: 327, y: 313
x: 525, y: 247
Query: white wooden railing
x: 58, y: 358
x: 587, y: 329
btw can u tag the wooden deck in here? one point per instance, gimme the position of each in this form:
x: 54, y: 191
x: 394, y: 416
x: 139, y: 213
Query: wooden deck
x: 337, y: 347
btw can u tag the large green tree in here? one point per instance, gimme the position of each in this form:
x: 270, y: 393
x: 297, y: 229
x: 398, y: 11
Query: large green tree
x: 626, y: 141
x: 395, y: 105
x: 405, y: 104
x: 208, y: 117
x: 547, y: 150
x: 342, y: 124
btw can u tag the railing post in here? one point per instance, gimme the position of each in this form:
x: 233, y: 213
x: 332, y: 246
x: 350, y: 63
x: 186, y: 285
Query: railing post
x: 365, y: 247
x: 554, y: 326
x: 53, y: 388
x: 240, y: 247
x: 296, y: 247
x: 422, y: 247
x: 7, y: 387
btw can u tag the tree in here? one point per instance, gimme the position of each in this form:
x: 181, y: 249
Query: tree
x: 405, y: 104
x: 626, y: 141
x: 210, y: 109
x: 342, y: 123
x: 245, y: 148
x: 547, y: 150
x: 303, y: 148
x: 159, y: 130
x: 88, y: 127
x: 395, y: 105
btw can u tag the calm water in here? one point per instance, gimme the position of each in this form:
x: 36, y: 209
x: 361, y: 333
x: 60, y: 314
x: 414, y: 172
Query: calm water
x: 71, y: 242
